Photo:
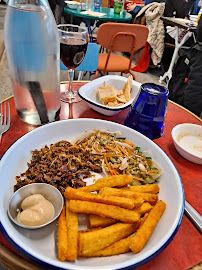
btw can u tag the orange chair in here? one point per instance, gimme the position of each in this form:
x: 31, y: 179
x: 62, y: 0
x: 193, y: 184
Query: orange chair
x: 119, y: 37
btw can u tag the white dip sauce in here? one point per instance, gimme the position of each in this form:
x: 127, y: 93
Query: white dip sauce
x: 191, y: 143
x: 36, y: 210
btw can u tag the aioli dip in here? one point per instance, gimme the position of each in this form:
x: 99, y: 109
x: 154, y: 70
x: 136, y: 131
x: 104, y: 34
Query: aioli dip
x: 191, y: 143
x: 36, y: 211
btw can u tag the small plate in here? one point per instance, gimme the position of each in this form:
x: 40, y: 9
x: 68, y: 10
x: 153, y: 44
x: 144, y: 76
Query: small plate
x: 187, y: 139
x: 72, y: 4
x: 88, y: 93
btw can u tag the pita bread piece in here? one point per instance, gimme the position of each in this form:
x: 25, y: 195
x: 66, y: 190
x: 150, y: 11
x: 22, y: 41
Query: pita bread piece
x: 127, y: 88
x: 106, y: 93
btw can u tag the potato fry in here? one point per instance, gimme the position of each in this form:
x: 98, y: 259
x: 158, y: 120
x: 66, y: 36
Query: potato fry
x: 107, y: 191
x: 62, y: 236
x: 76, y: 194
x: 112, y: 211
x: 119, y: 247
x: 147, y: 197
x: 72, y: 234
x: 144, y: 208
x: 91, y: 242
x: 119, y: 192
x: 140, y: 238
x: 143, y: 219
x: 111, y: 181
x: 153, y: 188
x: 97, y: 221
x: 90, y: 230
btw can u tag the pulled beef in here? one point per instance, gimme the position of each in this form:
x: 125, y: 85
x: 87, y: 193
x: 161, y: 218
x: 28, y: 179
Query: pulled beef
x: 60, y: 165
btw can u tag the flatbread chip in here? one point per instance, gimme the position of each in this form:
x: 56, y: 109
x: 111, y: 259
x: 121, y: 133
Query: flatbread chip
x: 114, y: 104
x: 119, y: 93
x: 127, y: 88
x: 108, y: 99
x: 106, y: 93
x: 121, y: 99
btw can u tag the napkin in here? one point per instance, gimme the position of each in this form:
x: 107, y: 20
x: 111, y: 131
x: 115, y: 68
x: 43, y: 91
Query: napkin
x: 93, y: 13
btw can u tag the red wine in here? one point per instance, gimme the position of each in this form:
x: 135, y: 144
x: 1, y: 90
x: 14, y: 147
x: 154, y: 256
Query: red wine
x: 72, y: 51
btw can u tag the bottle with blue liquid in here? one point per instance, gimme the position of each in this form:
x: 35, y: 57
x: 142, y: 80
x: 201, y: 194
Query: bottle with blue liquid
x: 32, y: 47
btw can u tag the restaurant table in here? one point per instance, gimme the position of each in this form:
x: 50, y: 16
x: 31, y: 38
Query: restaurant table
x: 185, y: 250
x: 185, y: 24
x: 109, y: 16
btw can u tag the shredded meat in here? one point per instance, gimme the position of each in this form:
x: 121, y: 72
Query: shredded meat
x: 60, y: 165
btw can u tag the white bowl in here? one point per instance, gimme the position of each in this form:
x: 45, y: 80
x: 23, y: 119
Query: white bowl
x: 40, y: 245
x: 187, y: 139
x: 88, y: 93
x: 72, y: 4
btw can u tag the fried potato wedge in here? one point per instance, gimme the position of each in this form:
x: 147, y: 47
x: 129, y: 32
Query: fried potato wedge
x: 93, y: 241
x: 72, y: 234
x: 140, y: 238
x: 76, y: 194
x: 153, y: 188
x: 62, y: 236
x: 111, y: 181
x: 112, y: 211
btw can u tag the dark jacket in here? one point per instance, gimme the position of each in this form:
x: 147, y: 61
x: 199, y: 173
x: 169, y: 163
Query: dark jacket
x: 189, y: 66
x: 179, y: 8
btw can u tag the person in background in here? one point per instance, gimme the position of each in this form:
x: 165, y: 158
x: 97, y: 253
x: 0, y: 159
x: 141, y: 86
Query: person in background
x: 133, y: 9
x: 181, y: 8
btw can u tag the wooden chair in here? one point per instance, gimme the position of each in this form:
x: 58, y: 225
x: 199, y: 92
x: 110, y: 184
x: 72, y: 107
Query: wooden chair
x: 119, y: 37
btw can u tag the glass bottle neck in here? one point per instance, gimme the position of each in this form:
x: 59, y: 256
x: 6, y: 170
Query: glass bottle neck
x: 28, y: 3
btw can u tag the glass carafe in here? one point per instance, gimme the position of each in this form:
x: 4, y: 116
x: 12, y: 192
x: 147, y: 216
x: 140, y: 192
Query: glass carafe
x: 32, y: 48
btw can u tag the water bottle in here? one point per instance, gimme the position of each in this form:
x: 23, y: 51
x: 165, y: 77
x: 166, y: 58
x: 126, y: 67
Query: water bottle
x: 32, y: 47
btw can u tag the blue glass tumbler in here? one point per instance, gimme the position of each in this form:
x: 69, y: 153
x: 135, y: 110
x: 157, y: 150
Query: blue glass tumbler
x: 147, y: 114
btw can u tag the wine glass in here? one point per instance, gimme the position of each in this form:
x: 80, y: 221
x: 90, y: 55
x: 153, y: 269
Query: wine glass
x: 73, y: 47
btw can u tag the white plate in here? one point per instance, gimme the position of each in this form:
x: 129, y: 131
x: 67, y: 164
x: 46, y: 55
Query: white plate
x: 191, y: 149
x: 72, y: 4
x: 40, y: 245
x: 88, y: 93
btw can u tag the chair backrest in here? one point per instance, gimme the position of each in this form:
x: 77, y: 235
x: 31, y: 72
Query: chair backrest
x: 90, y: 61
x: 106, y: 32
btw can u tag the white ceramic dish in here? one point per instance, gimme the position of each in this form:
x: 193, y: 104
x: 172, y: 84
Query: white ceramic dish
x: 40, y: 245
x: 72, y: 4
x: 191, y: 149
x: 88, y: 93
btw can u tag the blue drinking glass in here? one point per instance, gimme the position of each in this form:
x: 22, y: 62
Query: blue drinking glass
x: 147, y: 114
